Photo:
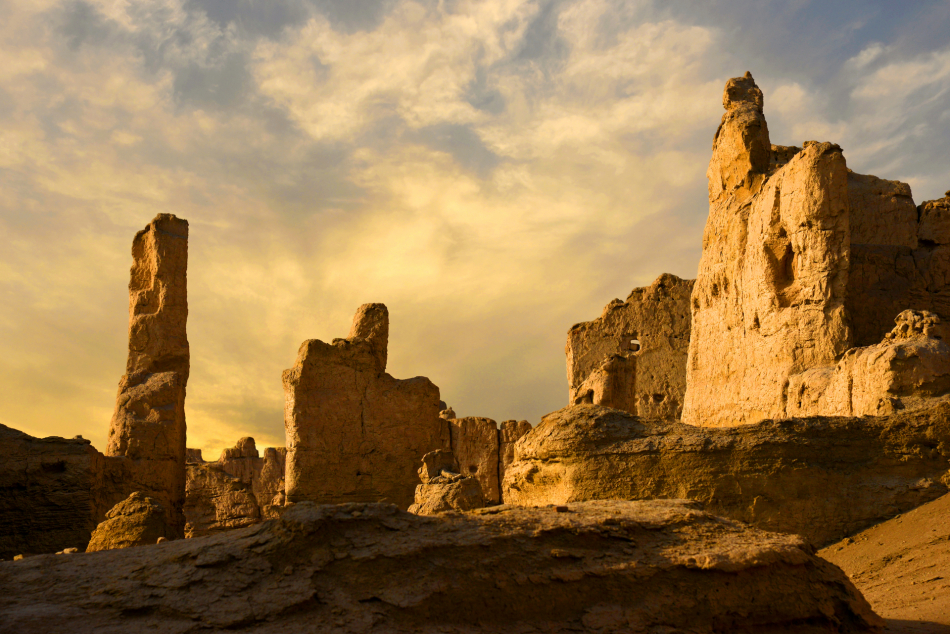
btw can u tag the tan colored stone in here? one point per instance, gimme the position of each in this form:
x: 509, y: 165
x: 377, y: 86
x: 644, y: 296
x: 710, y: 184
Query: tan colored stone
x: 136, y: 521
x: 881, y: 211
x: 607, y: 566
x: 509, y: 432
x: 769, y: 298
x: 823, y: 478
x: 474, y: 442
x: 238, y: 490
x: 633, y: 357
x: 148, y: 426
x: 443, y: 488
x: 354, y: 433
x: 909, y: 370
x: 934, y: 217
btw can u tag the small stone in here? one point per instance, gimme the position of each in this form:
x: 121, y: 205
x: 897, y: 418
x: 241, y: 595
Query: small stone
x: 70, y: 551
x: 17, y: 557
x: 161, y: 540
x: 561, y: 509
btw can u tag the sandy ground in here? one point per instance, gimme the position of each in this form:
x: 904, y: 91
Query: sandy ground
x: 903, y: 568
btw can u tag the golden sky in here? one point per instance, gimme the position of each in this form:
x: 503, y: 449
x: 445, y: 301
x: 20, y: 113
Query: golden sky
x: 493, y: 171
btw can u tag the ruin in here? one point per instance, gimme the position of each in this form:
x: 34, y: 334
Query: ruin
x: 354, y: 433
x: 633, y: 357
x: 148, y: 426
x: 443, y: 488
x: 239, y: 489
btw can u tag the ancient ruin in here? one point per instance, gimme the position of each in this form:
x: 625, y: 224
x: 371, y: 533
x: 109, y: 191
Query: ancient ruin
x: 822, y: 478
x: 239, y: 489
x: 148, y: 427
x: 658, y: 566
x: 354, y: 433
x: 633, y: 357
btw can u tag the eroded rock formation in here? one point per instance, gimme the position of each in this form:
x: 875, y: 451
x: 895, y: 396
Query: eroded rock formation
x: 633, y: 357
x: 803, y: 259
x: 909, y: 370
x: 443, y: 488
x: 354, y: 433
x: 238, y: 490
x: 483, y: 449
x: 823, y: 478
x: 148, y: 426
x: 53, y: 492
x: 599, y: 566
x: 135, y: 521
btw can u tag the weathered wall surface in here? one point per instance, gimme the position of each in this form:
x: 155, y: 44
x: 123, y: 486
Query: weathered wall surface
x: 886, y: 279
x: 633, y: 357
x: 823, y: 478
x: 909, y: 370
x: 661, y: 566
x: 148, y: 426
x: 354, y: 433
x: 238, y: 490
x: 53, y: 492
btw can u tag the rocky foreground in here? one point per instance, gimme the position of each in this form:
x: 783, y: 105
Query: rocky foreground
x: 658, y: 566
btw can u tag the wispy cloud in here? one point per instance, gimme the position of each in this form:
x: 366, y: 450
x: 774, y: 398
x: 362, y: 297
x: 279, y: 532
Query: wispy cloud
x: 494, y: 171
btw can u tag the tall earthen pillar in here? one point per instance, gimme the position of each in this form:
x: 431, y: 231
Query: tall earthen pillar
x: 148, y: 426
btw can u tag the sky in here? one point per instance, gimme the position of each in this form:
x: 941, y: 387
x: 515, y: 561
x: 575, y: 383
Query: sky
x: 493, y: 171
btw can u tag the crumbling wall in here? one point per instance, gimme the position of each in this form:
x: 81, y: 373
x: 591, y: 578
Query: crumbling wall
x: 769, y: 297
x: 239, y: 489
x: 633, y: 357
x: 148, y: 426
x: 483, y: 449
x: 53, y: 492
x: 354, y: 433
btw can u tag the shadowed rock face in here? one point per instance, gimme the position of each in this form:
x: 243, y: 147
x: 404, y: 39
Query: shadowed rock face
x: 598, y: 566
x: 238, y: 490
x: 823, y: 478
x: 354, y: 433
x: 633, y: 357
x: 53, y: 492
x: 148, y: 426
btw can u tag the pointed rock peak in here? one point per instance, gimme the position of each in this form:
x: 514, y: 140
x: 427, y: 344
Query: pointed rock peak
x: 371, y: 323
x: 742, y: 91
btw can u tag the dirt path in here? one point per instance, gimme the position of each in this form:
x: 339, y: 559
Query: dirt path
x: 903, y: 568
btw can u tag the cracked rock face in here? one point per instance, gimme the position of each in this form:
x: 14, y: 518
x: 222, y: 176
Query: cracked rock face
x: 633, y: 357
x: 239, y: 489
x: 603, y: 566
x: 148, y: 426
x: 354, y: 433
x: 823, y: 478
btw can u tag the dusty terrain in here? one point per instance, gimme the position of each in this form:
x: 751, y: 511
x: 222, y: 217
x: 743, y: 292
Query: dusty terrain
x: 902, y: 567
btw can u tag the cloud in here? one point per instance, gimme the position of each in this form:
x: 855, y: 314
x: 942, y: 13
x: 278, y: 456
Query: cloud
x: 494, y: 171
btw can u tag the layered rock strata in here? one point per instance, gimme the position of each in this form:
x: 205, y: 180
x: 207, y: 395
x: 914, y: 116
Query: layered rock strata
x: 354, y: 433
x: 633, y: 357
x: 239, y: 489
x: 148, y: 426
x: 598, y: 566
x: 53, y: 492
x: 135, y: 521
x: 823, y: 478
